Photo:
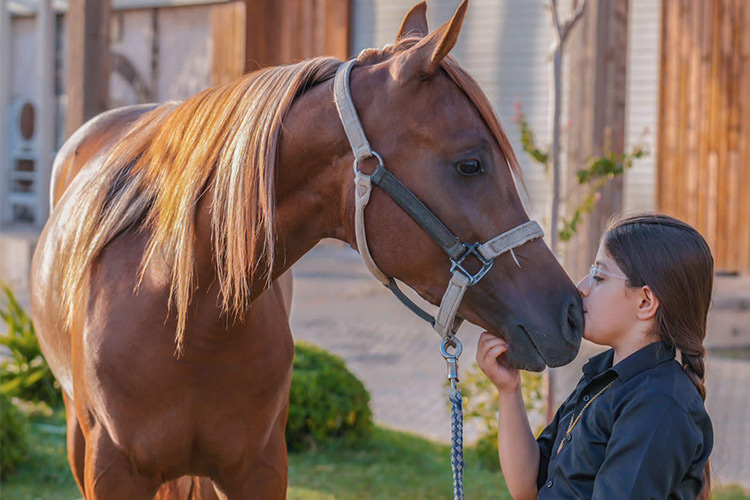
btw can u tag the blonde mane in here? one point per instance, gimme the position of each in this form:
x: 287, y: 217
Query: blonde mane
x: 224, y: 141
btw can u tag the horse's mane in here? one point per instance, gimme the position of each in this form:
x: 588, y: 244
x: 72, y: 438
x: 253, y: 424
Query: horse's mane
x: 222, y: 141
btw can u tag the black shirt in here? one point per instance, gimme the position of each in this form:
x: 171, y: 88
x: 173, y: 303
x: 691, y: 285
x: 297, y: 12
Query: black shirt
x: 646, y: 437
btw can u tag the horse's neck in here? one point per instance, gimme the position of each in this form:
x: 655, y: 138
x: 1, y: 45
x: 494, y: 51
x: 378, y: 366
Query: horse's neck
x: 314, y: 182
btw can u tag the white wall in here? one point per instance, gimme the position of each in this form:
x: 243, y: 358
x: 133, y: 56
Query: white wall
x: 644, y: 32
x: 132, y: 38
x: 185, y: 48
x: 23, y: 58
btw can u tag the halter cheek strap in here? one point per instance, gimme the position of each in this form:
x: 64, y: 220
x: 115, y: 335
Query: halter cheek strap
x: 444, y: 323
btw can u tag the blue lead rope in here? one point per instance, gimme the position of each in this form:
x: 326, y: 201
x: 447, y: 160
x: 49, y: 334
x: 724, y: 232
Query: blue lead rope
x: 457, y: 415
x: 457, y: 443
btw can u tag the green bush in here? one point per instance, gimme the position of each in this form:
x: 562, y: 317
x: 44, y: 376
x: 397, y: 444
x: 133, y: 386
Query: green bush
x: 25, y: 374
x: 14, y: 432
x: 481, y: 404
x: 326, y: 401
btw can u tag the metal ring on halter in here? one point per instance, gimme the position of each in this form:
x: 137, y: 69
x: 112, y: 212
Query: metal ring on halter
x: 373, y: 153
x: 451, y: 341
x: 451, y: 360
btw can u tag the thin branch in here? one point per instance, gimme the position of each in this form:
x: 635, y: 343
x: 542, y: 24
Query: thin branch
x: 572, y: 20
x: 556, y: 18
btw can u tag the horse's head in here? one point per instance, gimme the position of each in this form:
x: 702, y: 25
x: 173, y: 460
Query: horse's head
x: 438, y: 135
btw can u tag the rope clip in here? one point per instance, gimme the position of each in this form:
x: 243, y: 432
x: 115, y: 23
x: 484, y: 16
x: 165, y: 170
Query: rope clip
x: 451, y: 360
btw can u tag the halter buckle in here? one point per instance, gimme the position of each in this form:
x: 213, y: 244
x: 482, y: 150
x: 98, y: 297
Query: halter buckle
x: 472, y: 249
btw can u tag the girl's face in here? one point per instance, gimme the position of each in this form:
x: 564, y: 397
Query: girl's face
x: 609, y: 305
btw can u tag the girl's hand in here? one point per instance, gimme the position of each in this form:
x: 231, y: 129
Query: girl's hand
x: 491, y: 359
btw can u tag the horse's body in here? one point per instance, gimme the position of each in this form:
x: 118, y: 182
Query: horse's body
x: 263, y: 370
x: 154, y: 239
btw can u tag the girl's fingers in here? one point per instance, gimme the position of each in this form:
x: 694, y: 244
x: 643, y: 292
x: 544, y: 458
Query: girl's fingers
x: 489, y: 351
x: 487, y: 341
x: 495, y: 352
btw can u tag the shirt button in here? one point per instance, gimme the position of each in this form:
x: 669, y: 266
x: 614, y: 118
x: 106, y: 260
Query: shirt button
x: 586, y: 397
x: 549, y: 484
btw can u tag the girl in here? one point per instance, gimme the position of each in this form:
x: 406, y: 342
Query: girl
x: 635, y: 427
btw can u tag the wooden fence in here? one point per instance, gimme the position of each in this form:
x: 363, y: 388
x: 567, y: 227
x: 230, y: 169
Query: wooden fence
x: 704, y: 123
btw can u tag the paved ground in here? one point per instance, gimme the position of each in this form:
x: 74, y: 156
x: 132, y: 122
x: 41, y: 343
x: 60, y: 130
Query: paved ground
x: 339, y: 306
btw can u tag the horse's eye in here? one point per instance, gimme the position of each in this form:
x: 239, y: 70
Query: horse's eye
x: 469, y: 167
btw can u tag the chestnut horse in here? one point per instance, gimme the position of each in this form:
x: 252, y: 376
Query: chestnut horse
x: 156, y: 291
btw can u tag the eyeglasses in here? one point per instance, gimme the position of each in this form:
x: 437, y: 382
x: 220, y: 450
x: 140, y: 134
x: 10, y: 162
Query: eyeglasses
x: 596, y: 273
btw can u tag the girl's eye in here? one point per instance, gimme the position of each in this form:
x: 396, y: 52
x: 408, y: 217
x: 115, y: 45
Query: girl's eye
x: 469, y: 168
x: 598, y: 278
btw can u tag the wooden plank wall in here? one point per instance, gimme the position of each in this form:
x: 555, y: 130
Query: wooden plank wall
x: 284, y: 31
x: 228, y: 36
x: 704, y: 123
x: 251, y: 34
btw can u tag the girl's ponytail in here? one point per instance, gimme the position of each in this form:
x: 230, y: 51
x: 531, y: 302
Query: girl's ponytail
x: 695, y: 368
x: 674, y: 260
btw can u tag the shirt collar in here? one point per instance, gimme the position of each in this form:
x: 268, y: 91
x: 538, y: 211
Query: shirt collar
x: 640, y: 361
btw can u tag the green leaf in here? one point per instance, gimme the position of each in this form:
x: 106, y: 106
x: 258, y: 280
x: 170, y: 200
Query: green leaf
x: 597, y: 172
x: 528, y: 142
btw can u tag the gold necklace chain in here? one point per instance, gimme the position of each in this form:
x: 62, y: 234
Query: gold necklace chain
x: 574, y: 420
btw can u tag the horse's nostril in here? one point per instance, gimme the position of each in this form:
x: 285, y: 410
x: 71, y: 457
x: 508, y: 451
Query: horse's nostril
x: 572, y: 322
x: 575, y: 321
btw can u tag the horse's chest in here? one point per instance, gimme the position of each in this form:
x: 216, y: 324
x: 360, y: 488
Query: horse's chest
x: 190, y: 412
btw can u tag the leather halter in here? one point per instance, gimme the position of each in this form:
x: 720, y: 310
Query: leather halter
x: 451, y: 244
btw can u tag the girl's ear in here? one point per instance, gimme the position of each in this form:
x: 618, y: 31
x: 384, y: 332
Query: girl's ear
x: 648, y: 304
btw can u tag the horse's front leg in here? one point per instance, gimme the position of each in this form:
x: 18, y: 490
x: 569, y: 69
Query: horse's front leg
x: 263, y: 477
x: 76, y: 443
x: 110, y: 475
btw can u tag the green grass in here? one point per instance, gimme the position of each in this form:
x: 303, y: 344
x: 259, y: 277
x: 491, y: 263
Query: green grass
x: 389, y: 465
x: 732, y: 492
x: 45, y: 473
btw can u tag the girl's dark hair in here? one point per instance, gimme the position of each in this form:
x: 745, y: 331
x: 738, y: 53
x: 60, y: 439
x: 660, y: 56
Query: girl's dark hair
x: 674, y: 260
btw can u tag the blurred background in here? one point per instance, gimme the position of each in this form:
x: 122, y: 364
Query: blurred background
x: 654, y: 94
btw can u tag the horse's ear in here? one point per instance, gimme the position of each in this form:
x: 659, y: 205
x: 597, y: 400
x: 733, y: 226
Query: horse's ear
x: 422, y: 60
x: 415, y: 22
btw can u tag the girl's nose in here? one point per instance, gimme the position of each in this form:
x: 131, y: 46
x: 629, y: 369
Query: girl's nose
x: 583, y: 286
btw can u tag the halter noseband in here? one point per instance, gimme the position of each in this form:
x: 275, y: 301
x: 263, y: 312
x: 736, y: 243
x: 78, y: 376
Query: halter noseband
x: 451, y: 244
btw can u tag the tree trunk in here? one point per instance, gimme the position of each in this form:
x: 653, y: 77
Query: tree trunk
x: 597, y: 118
